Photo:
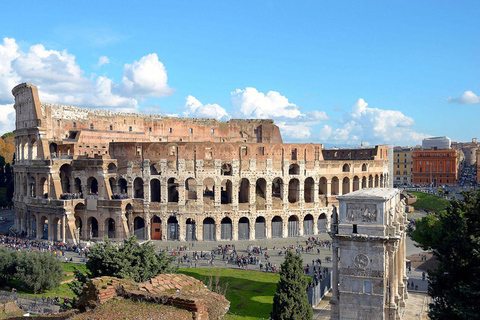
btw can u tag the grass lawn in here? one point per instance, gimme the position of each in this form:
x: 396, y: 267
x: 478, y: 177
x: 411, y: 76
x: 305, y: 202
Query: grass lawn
x: 429, y: 202
x: 250, y: 292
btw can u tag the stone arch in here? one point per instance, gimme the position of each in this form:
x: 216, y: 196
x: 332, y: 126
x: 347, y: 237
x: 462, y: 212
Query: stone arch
x: 156, y: 228
x: 356, y: 183
x: 260, y: 228
x: 122, y: 184
x: 53, y: 150
x: 110, y: 228
x: 346, y: 168
x: 56, y: 229
x: 92, y: 226
x: 79, y: 215
x: 364, y: 182
x: 209, y: 191
x: 190, y: 189
x: 139, y: 228
x: 32, y: 154
x: 364, y: 167
x: 154, y: 169
x: 113, y: 184
x: 322, y: 223
x: 345, y: 185
x: 172, y: 190
x: 92, y: 185
x: 277, y: 227
x: 66, y: 177
x: 32, y: 187
x: 261, y: 194
x: 293, y: 226
x: 226, y: 192
x: 243, y: 228
x: 112, y: 168
x: 293, y: 190
x: 226, y: 229
x: 335, y: 186
x: 191, y: 230
x: 322, y: 186
x: 138, y: 188
x: 308, y: 225
x: 155, y: 190
x: 277, y: 193
x: 244, y: 191
x: 309, y: 190
x: 381, y: 181
x: 376, y: 181
x: 209, y: 229
x: 294, y: 169
x: 172, y: 228
x: 226, y: 169
x: 44, y: 225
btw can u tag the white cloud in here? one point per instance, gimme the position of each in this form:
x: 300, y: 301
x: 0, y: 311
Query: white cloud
x: 195, y: 109
x: 468, y: 97
x: 7, y: 118
x: 373, y: 126
x: 103, y: 60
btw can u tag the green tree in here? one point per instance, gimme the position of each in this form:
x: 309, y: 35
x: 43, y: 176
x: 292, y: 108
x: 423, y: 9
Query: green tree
x: 38, y: 271
x: 454, y: 237
x: 291, y: 300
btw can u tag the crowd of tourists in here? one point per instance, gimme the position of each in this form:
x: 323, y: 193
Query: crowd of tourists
x: 117, y: 196
x: 70, y: 196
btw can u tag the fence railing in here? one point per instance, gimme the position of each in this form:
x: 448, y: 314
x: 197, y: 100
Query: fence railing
x: 31, y: 305
x: 317, y: 292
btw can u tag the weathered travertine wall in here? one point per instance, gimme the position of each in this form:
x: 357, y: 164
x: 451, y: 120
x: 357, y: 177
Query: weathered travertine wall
x: 77, y: 179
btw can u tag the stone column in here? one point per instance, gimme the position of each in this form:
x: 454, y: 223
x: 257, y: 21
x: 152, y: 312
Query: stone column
x: 392, y: 290
x: 329, y: 188
x: 251, y: 227
x: 334, y: 301
x: 63, y: 228
x: 218, y: 228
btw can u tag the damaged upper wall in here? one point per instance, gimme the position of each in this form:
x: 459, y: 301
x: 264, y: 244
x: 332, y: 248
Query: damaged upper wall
x: 60, y: 122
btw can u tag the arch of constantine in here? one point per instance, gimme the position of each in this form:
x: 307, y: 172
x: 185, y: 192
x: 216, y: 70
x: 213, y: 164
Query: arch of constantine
x: 83, y: 174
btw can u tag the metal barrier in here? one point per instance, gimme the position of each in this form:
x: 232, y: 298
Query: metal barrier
x: 317, y: 292
x: 32, y: 305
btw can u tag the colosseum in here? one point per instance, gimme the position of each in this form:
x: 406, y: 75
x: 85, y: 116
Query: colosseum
x: 85, y: 174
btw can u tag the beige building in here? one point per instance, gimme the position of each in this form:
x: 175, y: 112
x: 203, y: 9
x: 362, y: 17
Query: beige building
x: 369, y: 256
x: 402, y: 166
x: 82, y: 174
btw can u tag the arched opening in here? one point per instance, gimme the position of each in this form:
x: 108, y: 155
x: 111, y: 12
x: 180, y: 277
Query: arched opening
x: 172, y: 190
x: 92, y: 226
x: 277, y: 193
x: 209, y: 192
x: 294, y: 169
x: 322, y: 186
x: 53, y: 150
x: 244, y: 191
x: 110, y: 227
x: 79, y: 214
x: 122, y: 184
x: 208, y: 229
x: 308, y: 225
x: 277, y: 227
x: 335, y: 186
x: 33, y: 187
x: 364, y: 182
x: 154, y: 169
x: 364, y: 167
x: 346, y: 168
x: 65, y: 177
x: 260, y: 228
x: 191, y: 230
x: 226, y: 169
x: 190, y: 189
x: 356, y: 183
x: 155, y: 190
x: 138, y: 188
x: 172, y: 225
x: 226, y: 193
x: 226, y: 229
x: 243, y: 229
x: 92, y: 185
x: 381, y: 181
x: 376, y: 181
x: 322, y: 223
x: 156, y: 228
x: 34, y: 227
x: 113, y: 184
x: 112, y: 168
x: 370, y: 181
x: 78, y: 187
x: 33, y: 150
x: 44, y: 224
x: 345, y: 185
x: 56, y: 228
x: 293, y: 226
x: 309, y: 190
x: 139, y: 228
x: 293, y: 190
x: 260, y: 194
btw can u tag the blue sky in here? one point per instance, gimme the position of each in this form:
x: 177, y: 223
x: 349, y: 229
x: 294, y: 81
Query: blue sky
x: 337, y: 72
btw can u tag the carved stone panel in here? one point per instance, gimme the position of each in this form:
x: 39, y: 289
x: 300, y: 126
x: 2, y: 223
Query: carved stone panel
x: 361, y: 212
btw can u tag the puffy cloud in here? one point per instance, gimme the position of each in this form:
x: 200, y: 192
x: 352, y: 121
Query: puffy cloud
x: 195, y: 109
x: 103, y: 60
x: 9, y: 51
x: 468, y: 97
x: 373, y: 126
x: 7, y: 118
x: 145, y: 78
